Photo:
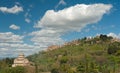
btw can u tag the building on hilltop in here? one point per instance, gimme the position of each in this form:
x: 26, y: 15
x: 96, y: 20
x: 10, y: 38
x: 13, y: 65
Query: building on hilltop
x: 53, y: 47
x: 115, y: 40
x: 21, y: 61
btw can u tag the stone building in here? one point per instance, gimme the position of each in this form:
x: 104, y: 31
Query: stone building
x: 21, y: 61
x: 53, y: 47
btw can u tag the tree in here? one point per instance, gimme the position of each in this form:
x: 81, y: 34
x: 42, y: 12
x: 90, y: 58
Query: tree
x: 81, y: 68
x: 54, y: 70
x: 63, y: 59
x: 103, y: 37
x: 113, y: 48
x: 18, y: 69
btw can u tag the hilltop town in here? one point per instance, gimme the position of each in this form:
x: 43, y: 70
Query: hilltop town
x: 95, y: 39
x: 86, y: 55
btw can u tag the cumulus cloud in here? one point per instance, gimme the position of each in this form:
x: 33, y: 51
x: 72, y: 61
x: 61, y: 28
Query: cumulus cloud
x: 46, y: 37
x: 54, y: 24
x: 73, y: 18
x: 11, y: 44
x: 14, y: 27
x: 9, y: 37
x: 13, y: 10
x: 114, y: 35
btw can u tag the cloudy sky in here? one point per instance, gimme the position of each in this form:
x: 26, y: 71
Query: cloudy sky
x: 32, y: 25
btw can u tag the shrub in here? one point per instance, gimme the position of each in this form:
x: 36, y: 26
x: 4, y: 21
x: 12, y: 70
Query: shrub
x: 55, y: 70
x: 112, y: 49
x: 13, y: 70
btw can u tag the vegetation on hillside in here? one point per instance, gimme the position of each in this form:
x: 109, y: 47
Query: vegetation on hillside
x: 100, y: 54
x: 6, y: 67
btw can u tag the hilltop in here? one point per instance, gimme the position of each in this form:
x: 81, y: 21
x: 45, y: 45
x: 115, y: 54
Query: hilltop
x: 86, y: 55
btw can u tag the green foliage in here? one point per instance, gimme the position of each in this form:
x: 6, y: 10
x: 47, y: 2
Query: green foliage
x: 105, y: 37
x: 5, y: 63
x: 81, y: 68
x: 97, y: 55
x: 13, y: 70
x: 90, y: 56
x: 55, y: 70
x: 113, y: 48
x: 118, y: 53
x: 64, y: 59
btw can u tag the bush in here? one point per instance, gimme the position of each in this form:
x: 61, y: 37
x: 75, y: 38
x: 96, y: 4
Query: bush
x: 13, y: 70
x: 64, y: 59
x: 55, y: 70
x: 112, y: 49
x: 81, y: 67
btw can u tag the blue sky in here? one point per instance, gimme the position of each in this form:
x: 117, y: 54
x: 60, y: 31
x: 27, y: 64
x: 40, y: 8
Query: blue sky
x: 33, y: 25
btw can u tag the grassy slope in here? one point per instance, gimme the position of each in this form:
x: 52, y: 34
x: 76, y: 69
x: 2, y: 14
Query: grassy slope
x: 87, y: 52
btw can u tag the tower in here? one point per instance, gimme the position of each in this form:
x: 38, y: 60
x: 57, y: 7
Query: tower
x: 21, y: 61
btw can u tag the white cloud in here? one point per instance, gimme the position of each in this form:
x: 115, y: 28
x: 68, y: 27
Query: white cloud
x: 61, y: 2
x: 17, y: 3
x: 114, y: 35
x: 13, y: 10
x: 27, y: 15
x: 14, y: 27
x: 27, y: 20
x: 73, y: 18
x: 11, y: 44
x: 55, y: 24
x: 9, y: 37
x: 87, y: 30
x: 46, y: 37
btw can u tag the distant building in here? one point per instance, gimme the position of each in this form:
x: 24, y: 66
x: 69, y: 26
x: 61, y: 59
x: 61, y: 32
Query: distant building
x: 21, y: 61
x: 53, y: 47
x: 74, y: 42
x: 115, y: 40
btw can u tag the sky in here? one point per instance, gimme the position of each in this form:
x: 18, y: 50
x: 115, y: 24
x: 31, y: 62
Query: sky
x: 30, y: 26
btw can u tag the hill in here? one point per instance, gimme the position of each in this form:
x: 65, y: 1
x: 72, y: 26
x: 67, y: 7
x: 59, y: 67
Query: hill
x: 100, y: 54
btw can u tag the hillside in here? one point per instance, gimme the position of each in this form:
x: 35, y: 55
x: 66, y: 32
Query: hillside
x: 87, y: 55
x: 100, y: 54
